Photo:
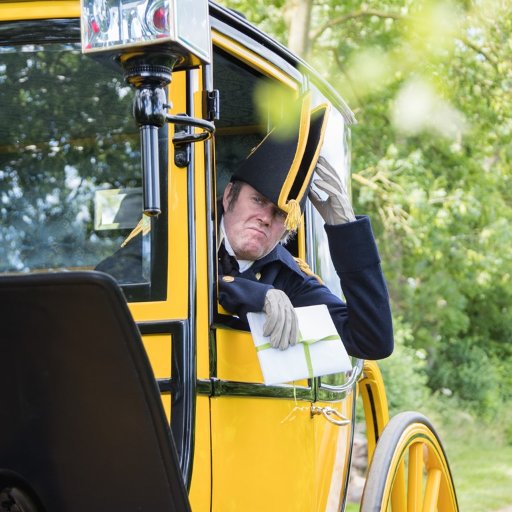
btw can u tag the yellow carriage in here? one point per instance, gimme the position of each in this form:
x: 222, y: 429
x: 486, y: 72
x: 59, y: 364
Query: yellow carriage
x: 72, y: 195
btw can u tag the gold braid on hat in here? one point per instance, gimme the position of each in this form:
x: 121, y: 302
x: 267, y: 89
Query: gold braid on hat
x: 292, y: 220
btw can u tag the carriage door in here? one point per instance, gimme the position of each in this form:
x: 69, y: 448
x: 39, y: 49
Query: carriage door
x: 262, y: 436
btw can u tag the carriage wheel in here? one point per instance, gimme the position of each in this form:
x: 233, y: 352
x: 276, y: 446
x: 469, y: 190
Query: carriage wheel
x: 409, y: 471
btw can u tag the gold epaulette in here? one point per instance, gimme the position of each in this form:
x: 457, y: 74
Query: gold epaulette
x: 305, y: 268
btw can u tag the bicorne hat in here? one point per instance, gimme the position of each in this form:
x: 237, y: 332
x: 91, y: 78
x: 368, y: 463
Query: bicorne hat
x: 281, y: 166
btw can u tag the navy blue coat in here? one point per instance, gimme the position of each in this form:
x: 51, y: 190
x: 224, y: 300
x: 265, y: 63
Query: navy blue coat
x: 363, y: 322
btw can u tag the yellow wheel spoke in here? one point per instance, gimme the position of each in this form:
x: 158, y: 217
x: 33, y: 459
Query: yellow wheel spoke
x: 415, y: 478
x: 432, y: 490
x: 399, y: 491
x: 409, y: 471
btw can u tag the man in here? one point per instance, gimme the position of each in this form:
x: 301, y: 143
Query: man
x: 260, y: 210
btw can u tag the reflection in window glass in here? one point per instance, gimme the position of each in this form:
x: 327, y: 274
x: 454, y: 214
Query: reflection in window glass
x: 323, y: 265
x: 68, y: 144
x: 336, y: 150
x: 239, y: 128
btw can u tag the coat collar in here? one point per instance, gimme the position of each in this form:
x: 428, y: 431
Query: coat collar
x: 280, y: 254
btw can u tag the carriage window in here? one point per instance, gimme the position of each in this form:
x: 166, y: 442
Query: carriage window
x: 241, y: 126
x: 70, y: 178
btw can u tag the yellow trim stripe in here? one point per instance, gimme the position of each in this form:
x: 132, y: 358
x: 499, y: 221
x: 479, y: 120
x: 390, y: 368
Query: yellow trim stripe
x: 255, y: 61
x: 305, y: 118
x: 39, y: 10
x: 317, y: 150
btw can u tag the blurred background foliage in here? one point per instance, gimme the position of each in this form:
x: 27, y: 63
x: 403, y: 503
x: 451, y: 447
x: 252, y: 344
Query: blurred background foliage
x: 430, y: 83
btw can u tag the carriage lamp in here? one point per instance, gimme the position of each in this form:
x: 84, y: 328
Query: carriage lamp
x: 149, y: 39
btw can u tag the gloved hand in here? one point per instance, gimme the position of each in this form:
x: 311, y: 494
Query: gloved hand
x: 281, y: 323
x: 336, y: 208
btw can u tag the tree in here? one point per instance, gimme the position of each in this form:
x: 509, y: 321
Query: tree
x: 297, y: 14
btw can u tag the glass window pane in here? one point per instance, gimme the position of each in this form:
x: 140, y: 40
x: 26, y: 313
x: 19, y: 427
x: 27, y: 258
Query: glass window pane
x: 336, y: 149
x: 70, y: 178
x: 241, y: 126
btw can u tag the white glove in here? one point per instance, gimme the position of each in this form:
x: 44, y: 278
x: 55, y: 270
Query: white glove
x: 281, y: 323
x: 336, y: 208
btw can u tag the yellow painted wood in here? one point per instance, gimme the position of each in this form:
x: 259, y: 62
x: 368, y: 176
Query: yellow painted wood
x: 426, y: 453
x: 200, y: 488
x: 10, y: 11
x: 415, y: 478
x: 263, y: 455
x: 176, y: 304
x: 159, y: 350
x: 375, y: 404
x: 252, y: 59
x: 201, y: 226
x: 237, y: 359
x: 332, y: 446
x: 399, y: 491
x: 432, y: 490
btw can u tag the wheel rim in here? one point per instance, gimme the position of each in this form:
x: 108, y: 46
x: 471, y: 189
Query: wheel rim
x: 421, y: 479
x: 409, y: 472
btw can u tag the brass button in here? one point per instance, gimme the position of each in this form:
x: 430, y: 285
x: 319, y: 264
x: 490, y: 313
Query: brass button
x: 228, y: 279
x: 258, y: 276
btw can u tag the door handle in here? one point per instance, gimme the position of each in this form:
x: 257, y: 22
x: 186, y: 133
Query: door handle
x: 331, y: 415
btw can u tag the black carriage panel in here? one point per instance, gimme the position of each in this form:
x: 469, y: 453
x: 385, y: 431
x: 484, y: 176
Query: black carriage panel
x: 82, y: 425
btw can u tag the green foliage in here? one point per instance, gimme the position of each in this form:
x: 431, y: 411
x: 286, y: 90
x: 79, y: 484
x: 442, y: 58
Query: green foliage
x: 266, y: 14
x: 406, y: 372
x: 443, y: 206
x: 471, y: 372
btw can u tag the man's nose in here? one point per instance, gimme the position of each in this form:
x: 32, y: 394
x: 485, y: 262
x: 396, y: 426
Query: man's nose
x: 266, y: 215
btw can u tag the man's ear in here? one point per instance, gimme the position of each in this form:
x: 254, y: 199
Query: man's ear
x: 225, y: 196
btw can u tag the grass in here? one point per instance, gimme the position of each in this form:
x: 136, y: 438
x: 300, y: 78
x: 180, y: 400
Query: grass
x: 480, y: 462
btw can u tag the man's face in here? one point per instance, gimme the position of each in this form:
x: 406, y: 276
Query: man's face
x: 253, y: 225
